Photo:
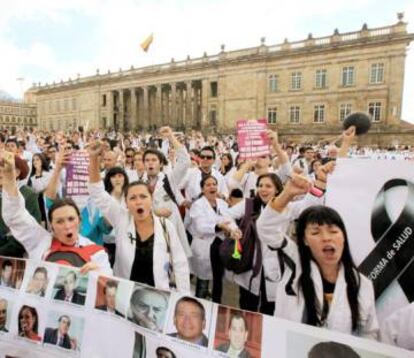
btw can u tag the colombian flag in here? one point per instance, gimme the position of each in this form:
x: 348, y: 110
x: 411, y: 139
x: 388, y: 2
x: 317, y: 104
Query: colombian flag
x: 147, y: 42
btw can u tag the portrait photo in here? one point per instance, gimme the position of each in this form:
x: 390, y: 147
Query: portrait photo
x: 140, y: 349
x: 28, y: 322
x: 238, y: 333
x: 70, y: 286
x: 190, y: 320
x: 64, y: 331
x: 6, y: 307
x: 38, y: 281
x: 11, y: 272
x: 308, y: 346
x: 110, y: 295
x: 148, y: 307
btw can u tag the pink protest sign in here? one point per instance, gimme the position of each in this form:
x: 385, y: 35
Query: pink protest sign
x: 252, y: 138
x: 77, y: 175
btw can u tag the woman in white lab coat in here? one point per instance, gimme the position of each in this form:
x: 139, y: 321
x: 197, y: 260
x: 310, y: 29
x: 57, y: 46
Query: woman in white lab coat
x: 319, y: 284
x: 146, y: 246
x: 209, y: 223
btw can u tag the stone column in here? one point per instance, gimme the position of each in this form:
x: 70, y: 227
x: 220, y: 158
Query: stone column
x: 158, y: 106
x: 132, y: 123
x: 173, y: 109
x: 110, y: 108
x: 196, y: 106
x: 180, y: 109
x: 121, y: 114
x: 145, y: 118
x: 188, y: 122
x: 204, y: 102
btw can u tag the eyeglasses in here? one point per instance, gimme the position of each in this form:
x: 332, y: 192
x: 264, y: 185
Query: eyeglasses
x: 206, y: 156
x: 129, y: 156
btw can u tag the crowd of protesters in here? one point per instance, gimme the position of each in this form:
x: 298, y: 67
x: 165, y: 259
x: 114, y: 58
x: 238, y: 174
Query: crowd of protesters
x: 162, y: 205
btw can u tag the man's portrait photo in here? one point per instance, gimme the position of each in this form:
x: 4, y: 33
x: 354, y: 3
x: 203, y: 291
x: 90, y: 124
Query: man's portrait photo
x: 4, y: 309
x: 70, y: 286
x: 64, y: 331
x: 148, y: 307
x: 106, y: 296
x: 238, y: 333
x: 38, y: 282
x: 190, y: 321
x: 11, y: 272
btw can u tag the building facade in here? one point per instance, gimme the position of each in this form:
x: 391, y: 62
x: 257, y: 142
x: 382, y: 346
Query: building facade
x: 304, y: 88
x: 17, y: 114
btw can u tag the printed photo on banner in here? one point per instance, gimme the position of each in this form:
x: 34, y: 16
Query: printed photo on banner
x: 238, y: 333
x: 39, y: 280
x: 111, y: 295
x: 64, y: 330
x: 303, y: 345
x: 12, y: 272
x: 148, y: 307
x: 140, y: 349
x: 70, y: 286
x: 6, y: 308
x: 29, y: 323
x: 189, y: 320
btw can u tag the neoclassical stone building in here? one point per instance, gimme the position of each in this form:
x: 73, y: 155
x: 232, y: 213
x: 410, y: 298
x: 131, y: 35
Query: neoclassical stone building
x: 303, y: 88
x: 17, y: 114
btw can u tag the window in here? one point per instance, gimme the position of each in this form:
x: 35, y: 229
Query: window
x: 296, y: 79
x: 66, y: 105
x: 344, y: 111
x: 374, y: 109
x: 272, y: 115
x: 73, y: 104
x: 376, y: 73
x: 348, y: 76
x: 294, y: 114
x: 273, y: 83
x: 213, y: 89
x: 319, y: 113
x: 320, y: 79
x: 104, y: 101
x: 57, y: 106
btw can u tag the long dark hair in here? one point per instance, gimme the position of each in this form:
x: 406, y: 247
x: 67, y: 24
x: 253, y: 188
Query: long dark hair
x: 324, y: 215
x: 277, y: 183
x: 45, y: 163
x: 33, y: 312
x: 112, y: 172
x: 228, y: 166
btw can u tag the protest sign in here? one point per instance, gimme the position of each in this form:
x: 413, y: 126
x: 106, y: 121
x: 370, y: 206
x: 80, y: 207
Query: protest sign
x: 77, y: 177
x: 54, y: 311
x: 375, y: 199
x: 252, y: 138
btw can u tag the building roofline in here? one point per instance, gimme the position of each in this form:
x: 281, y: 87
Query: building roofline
x: 364, y: 37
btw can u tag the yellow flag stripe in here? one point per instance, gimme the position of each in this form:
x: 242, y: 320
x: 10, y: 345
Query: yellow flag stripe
x: 147, y: 42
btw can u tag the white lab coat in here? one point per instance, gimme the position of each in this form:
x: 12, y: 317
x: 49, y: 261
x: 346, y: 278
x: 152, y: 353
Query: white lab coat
x: 161, y: 199
x: 35, y: 239
x: 271, y: 227
x: 125, y: 238
x: 202, y: 222
x: 40, y: 184
x: 192, y: 187
x: 398, y: 328
x: 270, y: 258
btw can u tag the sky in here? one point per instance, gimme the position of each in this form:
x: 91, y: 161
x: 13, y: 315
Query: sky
x: 49, y: 40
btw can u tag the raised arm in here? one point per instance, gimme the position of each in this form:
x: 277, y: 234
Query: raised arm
x: 110, y: 208
x: 183, y: 158
x: 22, y: 225
x: 347, y: 138
x: 62, y: 158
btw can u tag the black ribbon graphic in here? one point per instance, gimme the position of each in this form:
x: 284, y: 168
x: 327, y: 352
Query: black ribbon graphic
x: 393, y: 256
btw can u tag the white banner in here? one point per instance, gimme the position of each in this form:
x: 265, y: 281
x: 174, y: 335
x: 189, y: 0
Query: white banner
x: 374, y: 198
x: 47, y: 310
